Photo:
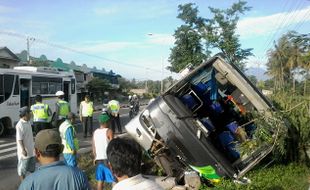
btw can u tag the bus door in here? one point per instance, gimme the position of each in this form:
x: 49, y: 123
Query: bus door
x: 24, y: 92
x: 67, y: 90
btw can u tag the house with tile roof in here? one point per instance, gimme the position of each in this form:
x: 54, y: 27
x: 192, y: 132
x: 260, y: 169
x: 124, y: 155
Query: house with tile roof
x: 7, y: 58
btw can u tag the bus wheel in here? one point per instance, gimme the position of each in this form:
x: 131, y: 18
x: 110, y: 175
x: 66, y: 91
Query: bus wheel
x: 2, y: 129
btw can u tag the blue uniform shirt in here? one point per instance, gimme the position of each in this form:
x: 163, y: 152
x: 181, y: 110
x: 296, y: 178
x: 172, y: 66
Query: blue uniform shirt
x: 56, y: 176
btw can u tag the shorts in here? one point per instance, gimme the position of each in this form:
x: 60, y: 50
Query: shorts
x: 26, y: 165
x: 104, y: 174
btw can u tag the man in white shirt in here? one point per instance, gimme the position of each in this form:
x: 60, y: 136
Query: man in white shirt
x: 125, y: 157
x: 101, y: 138
x: 25, y: 144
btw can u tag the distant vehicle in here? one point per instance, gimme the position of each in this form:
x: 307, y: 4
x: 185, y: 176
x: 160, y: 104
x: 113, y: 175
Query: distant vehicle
x: 133, y: 110
x: 19, y: 86
x: 199, y: 122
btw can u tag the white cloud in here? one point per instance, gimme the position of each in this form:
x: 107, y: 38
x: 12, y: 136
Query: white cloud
x: 161, y: 39
x: 5, y: 9
x: 264, y: 25
x: 259, y: 62
x: 106, y: 11
x: 4, y: 20
x: 103, y: 46
x: 138, y: 10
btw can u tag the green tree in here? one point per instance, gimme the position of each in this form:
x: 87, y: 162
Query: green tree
x: 97, y: 87
x: 188, y: 47
x: 220, y: 32
x: 125, y: 85
x: 289, y: 57
x: 253, y: 79
x: 40, y: 63
x: 198, y: 35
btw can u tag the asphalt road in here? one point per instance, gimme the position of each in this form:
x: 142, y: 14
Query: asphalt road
x: 9, y: 179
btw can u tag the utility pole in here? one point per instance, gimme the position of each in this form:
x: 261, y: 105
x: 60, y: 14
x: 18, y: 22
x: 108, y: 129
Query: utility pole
x: 162, y: 69
x: 162, y: 75
x: 28, y: 53
x: 146, y: 90
x: 28, y: 49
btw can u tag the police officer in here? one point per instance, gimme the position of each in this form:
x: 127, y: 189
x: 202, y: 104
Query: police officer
x: 69, y: 140
x: 41, y: 113
x: 86, y: 115
x: 113, y: 108
x: 62, y: 109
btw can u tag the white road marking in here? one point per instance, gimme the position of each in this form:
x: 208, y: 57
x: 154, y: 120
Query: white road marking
x: 7, y: 144
x: 124, y: 115
x: 8, y: 156
x: 8, y: 149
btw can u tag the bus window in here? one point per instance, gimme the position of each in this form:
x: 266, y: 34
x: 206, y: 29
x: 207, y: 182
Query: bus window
x: 36, y: 88
x: 16, y: 86
x: 42, y: 85
x: 58, y: 87
x: 44, y: 88
x: 66, y: 90
x: 72, y: 86
x: 1, y: 89
x: 8, y: 85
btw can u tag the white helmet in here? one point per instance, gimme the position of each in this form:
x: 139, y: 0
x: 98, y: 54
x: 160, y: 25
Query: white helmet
x: 129, y: 97
x: 104, y: 110
x: 60, y: 93
x: 134, y: 96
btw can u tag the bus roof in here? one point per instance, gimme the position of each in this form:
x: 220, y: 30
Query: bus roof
x: 39, y: 71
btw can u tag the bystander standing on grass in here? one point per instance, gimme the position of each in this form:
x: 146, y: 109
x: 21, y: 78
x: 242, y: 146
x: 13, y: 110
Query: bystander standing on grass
x: 101, y: 138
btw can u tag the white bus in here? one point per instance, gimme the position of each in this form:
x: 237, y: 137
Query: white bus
x: 19, y: 86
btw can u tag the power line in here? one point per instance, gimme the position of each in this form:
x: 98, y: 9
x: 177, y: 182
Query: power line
x: 270, y: 38
x: 290, y: 17
x: 77, y: 51
x: 295, y: 13
x: 305, y: 19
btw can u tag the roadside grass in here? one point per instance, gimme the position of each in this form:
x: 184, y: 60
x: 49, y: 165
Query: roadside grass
x: 85, y: 163
x: 278, y: 177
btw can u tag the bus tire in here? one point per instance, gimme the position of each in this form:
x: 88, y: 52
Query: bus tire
x: 2, y: 129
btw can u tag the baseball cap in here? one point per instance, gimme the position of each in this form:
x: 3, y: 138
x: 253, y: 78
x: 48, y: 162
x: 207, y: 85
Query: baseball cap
x: 45, y: 138
x: 103, y: 118
x: 23, y: 111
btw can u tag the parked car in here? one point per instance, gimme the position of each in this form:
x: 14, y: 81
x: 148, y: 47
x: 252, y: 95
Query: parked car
x: 201, y: 121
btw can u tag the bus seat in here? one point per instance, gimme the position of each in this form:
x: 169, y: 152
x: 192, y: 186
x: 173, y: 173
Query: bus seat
x: 208, y: 124
x: 189, y: 101
x: 232, y: 127
x: 216, y: 107
x: 225, y: 138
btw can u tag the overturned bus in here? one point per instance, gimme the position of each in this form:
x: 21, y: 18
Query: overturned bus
x: 201, y: 123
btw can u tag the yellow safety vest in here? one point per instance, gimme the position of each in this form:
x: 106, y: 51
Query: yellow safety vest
x: 62, y: 129
x: 40, y: 112
x: 87, y: 109
x: 63, y: 108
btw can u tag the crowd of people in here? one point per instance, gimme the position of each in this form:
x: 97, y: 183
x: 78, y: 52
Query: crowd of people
x: 117, y: 160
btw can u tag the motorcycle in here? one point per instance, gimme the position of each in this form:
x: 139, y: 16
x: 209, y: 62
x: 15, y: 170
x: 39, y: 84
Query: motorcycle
x: 133, y: 111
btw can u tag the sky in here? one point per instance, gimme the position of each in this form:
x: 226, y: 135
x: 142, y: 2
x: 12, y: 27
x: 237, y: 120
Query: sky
x: 134, y: 37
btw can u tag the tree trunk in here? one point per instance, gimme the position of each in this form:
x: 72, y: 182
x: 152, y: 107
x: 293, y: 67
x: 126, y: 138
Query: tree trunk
x: 294, y: 84
x: 305, y: 84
